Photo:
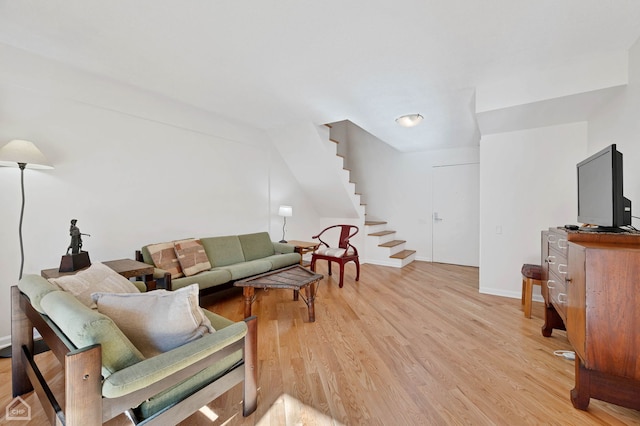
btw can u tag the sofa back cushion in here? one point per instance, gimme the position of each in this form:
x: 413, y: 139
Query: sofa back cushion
x: 85, y: 327
x: 256, y: 246
x: 223, y: 251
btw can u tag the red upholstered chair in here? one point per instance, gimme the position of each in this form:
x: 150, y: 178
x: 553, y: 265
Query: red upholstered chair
x: 342, y: 253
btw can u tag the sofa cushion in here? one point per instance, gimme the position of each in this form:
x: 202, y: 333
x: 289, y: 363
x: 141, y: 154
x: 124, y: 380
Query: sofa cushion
x: 247, y: 269
x: 36, y: 287
x: 97, y: 277
x: 223, y: 251
x: 256, y: 246
x: 85, y: 327
x: 157, y: 321
x: 191, y: 256
x: 281, y: 260
x: 204, y: 279
x: 164, y: 257
x: 335, y: 251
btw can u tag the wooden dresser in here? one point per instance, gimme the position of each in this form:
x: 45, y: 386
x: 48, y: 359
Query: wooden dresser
x: 591, y: 287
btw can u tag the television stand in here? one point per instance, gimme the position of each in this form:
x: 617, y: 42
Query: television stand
x: 589, y: 285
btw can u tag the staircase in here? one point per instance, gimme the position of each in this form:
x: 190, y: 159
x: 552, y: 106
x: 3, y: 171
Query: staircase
x: 381, y: 245
x: 312, y: 154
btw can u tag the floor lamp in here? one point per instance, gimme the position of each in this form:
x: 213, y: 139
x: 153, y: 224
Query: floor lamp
x: 23, y: 154
x: 285, y: 212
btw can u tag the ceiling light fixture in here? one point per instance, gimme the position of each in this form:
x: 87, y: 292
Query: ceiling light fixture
x: 409, y: 120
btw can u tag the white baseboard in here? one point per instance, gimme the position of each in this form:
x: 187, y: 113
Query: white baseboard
x: 511, y: 294
x: 5, y: 341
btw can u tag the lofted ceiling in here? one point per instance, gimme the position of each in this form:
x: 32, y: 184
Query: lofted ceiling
x: 269, y: 63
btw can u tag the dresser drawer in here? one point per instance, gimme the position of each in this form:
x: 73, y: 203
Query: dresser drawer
x: 558, y: 242
x: 557, y: 289
x: 557, y: 262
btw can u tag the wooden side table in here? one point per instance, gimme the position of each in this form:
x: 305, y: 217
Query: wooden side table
x: 303, y: 247
x: 128, y: 268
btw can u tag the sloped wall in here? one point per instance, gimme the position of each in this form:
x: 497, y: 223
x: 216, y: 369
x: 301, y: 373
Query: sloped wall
x: 132, y: 167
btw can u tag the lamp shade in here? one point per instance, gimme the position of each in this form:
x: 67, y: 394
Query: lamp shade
x: 285, y: 211
x: 23, y: 152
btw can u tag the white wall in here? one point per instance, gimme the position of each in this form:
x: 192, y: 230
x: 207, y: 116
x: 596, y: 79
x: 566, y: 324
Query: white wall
x: 131, y: 167
x: 527, y: 184
x: 618, y: 122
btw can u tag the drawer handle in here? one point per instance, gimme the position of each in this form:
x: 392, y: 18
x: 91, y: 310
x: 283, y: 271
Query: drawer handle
x: 560, y: 245
x: 549, y: 285
x: 551, y: 260
x: 552, y: 239
x: 562, y: 268
x: 562, y: 298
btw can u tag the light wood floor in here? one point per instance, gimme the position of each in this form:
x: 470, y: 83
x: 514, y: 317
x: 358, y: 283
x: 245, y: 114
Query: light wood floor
x: 411, y: 346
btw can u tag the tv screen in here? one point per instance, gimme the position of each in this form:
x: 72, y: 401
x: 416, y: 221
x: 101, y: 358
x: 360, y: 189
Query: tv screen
x: 600, y: 191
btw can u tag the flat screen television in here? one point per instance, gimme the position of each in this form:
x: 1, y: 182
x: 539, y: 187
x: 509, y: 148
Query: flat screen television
x: 600, y: 191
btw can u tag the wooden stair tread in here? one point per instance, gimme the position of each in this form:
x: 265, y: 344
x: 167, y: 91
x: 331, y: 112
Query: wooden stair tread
x: 374, y: 222
x: 392, y: 243
x: 403, y: 254
x: 382, y: 233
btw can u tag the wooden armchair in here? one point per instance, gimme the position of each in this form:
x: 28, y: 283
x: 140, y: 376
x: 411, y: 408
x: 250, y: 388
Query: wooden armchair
x: 342, y: 253
x: 164, y: 389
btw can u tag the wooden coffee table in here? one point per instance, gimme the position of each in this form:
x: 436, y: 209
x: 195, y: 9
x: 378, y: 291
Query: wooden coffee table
x: 295, y: 278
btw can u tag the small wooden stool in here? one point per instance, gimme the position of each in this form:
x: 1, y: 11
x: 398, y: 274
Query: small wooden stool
x: 531, y: 275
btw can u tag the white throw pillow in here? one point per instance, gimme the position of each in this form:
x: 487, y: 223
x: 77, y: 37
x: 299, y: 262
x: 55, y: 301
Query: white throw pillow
x: 97, y: 277
x: 156, y: 321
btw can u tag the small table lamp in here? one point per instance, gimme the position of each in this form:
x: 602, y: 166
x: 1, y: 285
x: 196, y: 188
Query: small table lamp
x: 285, y: 211
x: 22, y: 154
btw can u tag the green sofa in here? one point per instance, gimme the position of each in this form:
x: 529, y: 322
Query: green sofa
x: 232, y: 258
x: 105, y: 373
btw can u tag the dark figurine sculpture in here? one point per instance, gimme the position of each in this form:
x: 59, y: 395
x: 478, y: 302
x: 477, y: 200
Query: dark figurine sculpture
x: 76, y: 238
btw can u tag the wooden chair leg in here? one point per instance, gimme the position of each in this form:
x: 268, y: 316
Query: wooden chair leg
x: 527, y: 295
x: 341, y: 275
x: 357, y: 269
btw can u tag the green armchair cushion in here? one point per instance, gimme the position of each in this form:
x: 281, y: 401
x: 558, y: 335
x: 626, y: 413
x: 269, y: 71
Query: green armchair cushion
x: 85, y: 327
x: 152, y: 370
x: 36, y: 287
